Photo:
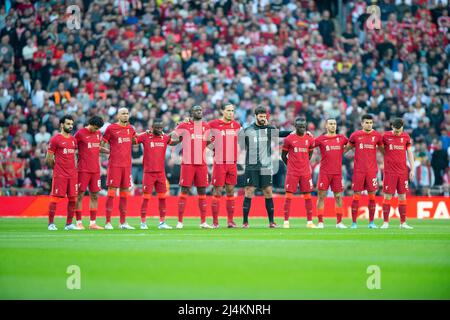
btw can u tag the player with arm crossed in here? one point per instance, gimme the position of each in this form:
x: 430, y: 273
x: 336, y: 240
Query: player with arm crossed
x: 397, y: 144
x: 120, y: 136
x: 61, y: 157
x: 296, y: 152
x: 365, y: 143
x: 331, y: 147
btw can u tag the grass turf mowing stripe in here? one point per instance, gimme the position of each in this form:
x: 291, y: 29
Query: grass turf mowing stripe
x: 258, y: 263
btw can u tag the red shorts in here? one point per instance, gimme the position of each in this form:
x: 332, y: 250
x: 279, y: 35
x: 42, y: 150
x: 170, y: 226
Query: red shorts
x: 119, y: 177
x: 194, y: 174
x: 292, y: 181
x: 62, y: 187
x: 364, y: 181
x: 395, y: 182
x: 156, y: 179
x: 90, y: 179
x: 330, y: 180
x: 224, y: 174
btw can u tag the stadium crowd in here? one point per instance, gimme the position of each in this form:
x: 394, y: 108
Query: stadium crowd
x: 158, y: 58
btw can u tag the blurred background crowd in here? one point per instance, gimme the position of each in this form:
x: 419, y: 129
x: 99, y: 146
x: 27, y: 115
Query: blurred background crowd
x: 312, y: 58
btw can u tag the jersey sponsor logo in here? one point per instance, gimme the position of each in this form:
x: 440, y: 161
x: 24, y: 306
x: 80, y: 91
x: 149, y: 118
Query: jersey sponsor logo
x: 93, y: 145
x: 395, y: 147
x: 123, y: 140
x: 68, y: 151
x: 329, y: 148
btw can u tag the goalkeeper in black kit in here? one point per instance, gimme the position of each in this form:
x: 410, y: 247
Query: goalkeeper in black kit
x: 259, y: 169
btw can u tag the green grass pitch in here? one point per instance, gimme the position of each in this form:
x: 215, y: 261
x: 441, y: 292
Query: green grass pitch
x: 258, y: 263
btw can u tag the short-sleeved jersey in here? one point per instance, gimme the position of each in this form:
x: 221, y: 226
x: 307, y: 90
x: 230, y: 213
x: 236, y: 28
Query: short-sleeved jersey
x: 395, y: 152
x: 88, y: 150
x: 298, y: 149
x: 64, y: 149
x: 225, y: 137
x: 120, y: 139
x: 154, y: 151
x: 331, y: 151
x: 366, y: 144
x: 195, y: 137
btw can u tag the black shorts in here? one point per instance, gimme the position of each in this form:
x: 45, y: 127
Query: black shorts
x: 255, y: 179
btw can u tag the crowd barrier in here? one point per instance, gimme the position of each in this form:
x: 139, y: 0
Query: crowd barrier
x: 35, y: 206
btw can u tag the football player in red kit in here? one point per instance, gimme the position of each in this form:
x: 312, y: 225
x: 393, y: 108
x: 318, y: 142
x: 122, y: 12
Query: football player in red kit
x: 155, y: 145
x: 120, y: 136
x: 331, y: 147
x: 397, y: 144
x: 365, y: 169
x: 225, y: 136
x: 296, y: 152
x: 195, y: 137
x: 89, y: 139
x: 61, y: 157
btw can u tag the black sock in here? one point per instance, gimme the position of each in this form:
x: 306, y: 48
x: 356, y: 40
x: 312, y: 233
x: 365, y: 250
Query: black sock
x: 269, y: 208
x: 246, y: 208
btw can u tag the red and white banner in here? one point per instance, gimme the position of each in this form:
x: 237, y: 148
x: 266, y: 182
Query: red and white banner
x: 417, y: 207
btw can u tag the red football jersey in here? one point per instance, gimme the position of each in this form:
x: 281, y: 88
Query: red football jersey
x: 195, y: 139
x: 225, y: 135
x: 154, y: 151
x: 395, y: 152
x: 88, y: 150
x: 64, y: 150
x: 366, y: 150
x: 120, y: 139
x: 298, y: 148
x: 331, y: 151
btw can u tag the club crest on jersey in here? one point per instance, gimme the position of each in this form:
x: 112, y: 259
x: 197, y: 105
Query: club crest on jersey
x: 373, y: 139
x: 337, y: 139
x: 401, y: 140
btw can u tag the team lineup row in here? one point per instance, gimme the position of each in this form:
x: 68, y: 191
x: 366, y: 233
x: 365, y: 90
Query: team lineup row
x: 73, y: 176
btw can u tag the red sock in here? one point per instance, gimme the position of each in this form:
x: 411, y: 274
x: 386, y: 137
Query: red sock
x: 215, y: 206
x: 93, y: 214
x: 181, y: 205
x: 320, y: 215
x: 78, y: 214
x: 308, y: 208
x: 51, y: 212
x: 123, y: 208
x: 287, y: 206
x: 355, y: 207
x: 386, y: 210
x: 402, y: 210
x: 70, y: 210
x: 230, y: 208
x: 109, y: 208
x: 202, y: 206
x: 338, y: 214
x: 372, y: 206
x: 162, y: 209
x: 144, y: 209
